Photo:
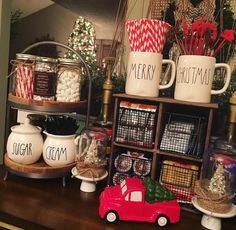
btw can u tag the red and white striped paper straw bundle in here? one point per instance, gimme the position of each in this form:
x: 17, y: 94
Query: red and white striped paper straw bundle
x: 147, y: 35
x: 133, y: 34
x: 24, y: 81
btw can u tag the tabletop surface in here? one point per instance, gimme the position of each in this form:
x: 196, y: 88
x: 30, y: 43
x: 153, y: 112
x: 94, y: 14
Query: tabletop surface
x: 45, y: 202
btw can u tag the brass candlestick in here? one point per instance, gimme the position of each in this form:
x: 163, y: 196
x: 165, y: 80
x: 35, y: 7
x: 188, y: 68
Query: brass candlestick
x: 232, y: 119
x: 107, y: 93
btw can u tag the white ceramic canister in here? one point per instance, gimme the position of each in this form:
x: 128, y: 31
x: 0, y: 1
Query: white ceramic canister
x: 25, y: 143
x: 59, y: 150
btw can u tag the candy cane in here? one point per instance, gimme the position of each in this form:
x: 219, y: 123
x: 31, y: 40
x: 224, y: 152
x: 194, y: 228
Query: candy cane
x: 31, y: 83
x: 23, y: 82
x: 18, y: 90
x: 23, y: 86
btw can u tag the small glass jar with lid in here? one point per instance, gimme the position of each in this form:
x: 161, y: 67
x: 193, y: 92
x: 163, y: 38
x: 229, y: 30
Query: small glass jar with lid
x: 69, y: 80
x: 45, y: 79
x: 221, y: 152
x: 21, y: 82
x: 99, y: 137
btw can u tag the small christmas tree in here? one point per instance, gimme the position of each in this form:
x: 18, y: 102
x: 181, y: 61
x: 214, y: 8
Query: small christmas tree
x: 155, y: 192
x: 218, y: 181
x: 91, y: 156
x: 214, y: 195
x: 82, y: 40
x: 89, y: 162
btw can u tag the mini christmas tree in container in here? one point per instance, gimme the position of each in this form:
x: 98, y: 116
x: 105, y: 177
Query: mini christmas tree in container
x: 215, y: 194
x: 90, y: 158
x: 218, y: 181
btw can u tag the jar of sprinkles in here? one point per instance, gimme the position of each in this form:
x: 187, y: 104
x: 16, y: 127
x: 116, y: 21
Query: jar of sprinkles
x: 21, y: 84
x: 45, y: 79
x: 68, y: 80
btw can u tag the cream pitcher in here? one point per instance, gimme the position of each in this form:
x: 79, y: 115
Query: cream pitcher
x: 59, y: 150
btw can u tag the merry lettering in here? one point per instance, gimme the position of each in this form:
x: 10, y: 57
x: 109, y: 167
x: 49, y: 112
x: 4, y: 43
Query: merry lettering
x: 194, y: 75
x: 142, y: 71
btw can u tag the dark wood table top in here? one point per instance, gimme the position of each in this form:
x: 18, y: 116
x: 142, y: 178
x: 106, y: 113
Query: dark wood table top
x: 46, y: 203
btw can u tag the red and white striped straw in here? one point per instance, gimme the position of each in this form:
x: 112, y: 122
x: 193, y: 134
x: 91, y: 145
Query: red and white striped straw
x: 161, y: 29
x: 133, y: 34
x: 147, y: 35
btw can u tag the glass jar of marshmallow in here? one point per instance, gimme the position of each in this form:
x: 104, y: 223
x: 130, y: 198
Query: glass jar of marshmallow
x: 69, y: 80
x: 45, y: 79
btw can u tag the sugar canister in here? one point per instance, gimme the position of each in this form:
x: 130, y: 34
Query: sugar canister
x: 25, y: 143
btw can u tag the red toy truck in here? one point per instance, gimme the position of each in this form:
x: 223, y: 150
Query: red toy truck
x: 127, y: 202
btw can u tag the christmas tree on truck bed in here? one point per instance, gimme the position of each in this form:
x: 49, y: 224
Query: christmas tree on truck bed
x: 155, y: 192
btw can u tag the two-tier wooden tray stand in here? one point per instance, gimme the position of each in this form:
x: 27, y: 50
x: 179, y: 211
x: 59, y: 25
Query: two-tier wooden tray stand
x: 40, y: 170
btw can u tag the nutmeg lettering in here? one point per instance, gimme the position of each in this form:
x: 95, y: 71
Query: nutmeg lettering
x: 142, y: 71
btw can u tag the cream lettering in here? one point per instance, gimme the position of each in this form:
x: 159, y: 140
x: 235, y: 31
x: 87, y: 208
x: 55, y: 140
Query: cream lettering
x: 53, y: 153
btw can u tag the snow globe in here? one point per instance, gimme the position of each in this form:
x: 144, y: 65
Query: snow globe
x: 214, y: 198
x: 91, y: 161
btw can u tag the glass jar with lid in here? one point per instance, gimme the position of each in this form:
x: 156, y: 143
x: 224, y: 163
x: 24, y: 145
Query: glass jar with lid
x: 45, y: 79
x: 69, y: 80
x: 221, y: 152
x: 21, y: 83
x: 100, y: 138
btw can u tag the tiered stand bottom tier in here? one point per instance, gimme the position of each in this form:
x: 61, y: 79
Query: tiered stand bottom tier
x: 38, y: 170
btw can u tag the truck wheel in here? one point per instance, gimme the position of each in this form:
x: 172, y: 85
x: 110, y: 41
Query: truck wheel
x: 111, y: 217
x: 162, y: 221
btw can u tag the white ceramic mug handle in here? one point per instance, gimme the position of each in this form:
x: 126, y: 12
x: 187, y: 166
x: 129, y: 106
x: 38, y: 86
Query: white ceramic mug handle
x: 227, y: 81
x: 77, y: 139
x: 172, y: 77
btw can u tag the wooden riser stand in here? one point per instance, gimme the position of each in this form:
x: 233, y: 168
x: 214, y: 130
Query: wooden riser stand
x: 158, y: 156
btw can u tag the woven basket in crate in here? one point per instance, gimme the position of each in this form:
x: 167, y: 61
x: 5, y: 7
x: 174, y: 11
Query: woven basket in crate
x: 210, y: 201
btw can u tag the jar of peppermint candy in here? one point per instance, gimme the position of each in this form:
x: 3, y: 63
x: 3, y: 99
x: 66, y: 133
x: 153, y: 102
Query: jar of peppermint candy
x: 21, y: 81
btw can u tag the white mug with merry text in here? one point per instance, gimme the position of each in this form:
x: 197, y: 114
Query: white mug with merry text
x: 144, y: 72
x: 195, y: 76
